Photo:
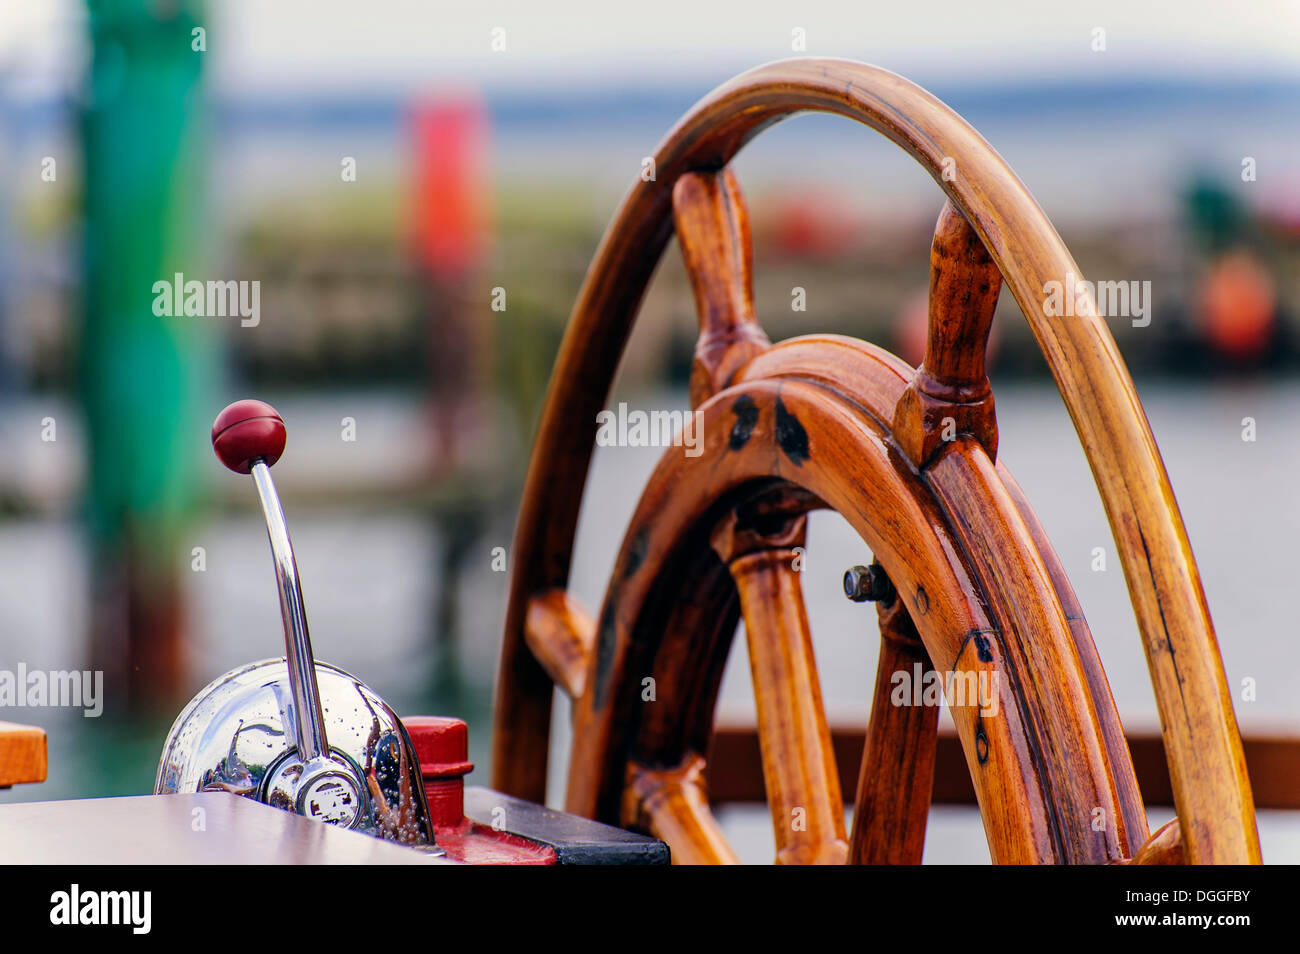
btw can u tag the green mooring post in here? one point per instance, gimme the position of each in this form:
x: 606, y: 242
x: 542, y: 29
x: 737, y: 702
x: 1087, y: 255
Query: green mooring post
x: 141, y: 374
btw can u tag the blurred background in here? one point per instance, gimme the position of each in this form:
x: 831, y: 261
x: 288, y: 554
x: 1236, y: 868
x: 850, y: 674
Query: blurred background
x: 419, y: 187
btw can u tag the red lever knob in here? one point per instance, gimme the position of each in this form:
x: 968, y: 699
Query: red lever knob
x: 245, y: 431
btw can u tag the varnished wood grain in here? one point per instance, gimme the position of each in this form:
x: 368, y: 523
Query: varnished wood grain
x: 561, y: 635
x: 673, y: 805
x: 713, y: 232
x: 895, y: 780
x: 1165, y: 847
x: 799, y: 771
x: 1207, y: 766
x: 950, y: 394
x: 851, y: 469
x: 1119, y: 752
x: 1032, y: 625
x: 23, y: 754
x: 1034, y: 650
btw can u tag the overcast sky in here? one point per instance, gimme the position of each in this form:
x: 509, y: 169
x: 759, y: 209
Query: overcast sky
x: 287, y: 46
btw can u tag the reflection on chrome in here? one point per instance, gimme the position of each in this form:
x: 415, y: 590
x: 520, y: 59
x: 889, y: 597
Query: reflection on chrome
x: 236, y: 736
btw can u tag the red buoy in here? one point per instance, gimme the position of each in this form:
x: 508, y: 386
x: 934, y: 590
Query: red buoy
x: 245, y: 431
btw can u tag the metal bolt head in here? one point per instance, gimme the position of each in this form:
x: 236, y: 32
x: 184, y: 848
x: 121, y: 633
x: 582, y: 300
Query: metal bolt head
x: 868, y: 583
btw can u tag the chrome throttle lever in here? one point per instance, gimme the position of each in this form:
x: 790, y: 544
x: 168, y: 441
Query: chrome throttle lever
x: 249, y: 437
x: 259, y: 730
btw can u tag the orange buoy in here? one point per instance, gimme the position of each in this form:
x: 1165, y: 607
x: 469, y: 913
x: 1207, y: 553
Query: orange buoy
x: 1237, y: 306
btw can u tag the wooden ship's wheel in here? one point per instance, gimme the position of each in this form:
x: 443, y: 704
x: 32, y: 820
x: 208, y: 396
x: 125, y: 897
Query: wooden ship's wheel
x: 965, y: 578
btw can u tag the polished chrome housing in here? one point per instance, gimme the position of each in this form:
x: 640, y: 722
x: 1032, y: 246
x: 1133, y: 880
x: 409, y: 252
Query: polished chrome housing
x: 237, y: 735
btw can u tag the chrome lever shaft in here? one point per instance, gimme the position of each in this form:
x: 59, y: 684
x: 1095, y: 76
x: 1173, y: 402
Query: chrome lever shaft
x: 308, y: 716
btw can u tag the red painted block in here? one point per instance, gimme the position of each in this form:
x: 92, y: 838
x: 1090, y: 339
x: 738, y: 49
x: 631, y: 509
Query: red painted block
x: 442, y: 746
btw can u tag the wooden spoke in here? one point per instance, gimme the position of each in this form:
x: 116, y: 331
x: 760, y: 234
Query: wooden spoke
x: 803, y: 787
x: 950, y: 393
x: 897, y: 772
x: 1165, y: 847
x: 673, y: 804
x: 561, y: 634
x: 713, y: 232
